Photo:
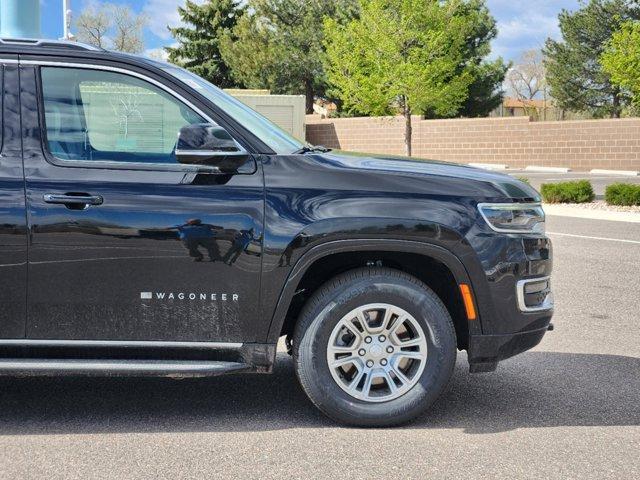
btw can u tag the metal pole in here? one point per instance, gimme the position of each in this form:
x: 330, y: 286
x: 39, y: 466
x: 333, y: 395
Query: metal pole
x: 65, y: 23
x: 66, y: 20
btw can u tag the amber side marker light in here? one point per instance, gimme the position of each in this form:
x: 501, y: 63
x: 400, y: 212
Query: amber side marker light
x: 468, y: 301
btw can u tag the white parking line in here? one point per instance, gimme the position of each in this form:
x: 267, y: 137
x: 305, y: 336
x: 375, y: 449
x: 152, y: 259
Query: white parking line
x: 621, y: 240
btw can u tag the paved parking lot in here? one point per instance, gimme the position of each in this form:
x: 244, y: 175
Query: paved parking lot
x: 568, y: 409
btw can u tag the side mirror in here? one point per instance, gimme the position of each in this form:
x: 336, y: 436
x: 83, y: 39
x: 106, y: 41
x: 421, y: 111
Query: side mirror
x: 209, y: 144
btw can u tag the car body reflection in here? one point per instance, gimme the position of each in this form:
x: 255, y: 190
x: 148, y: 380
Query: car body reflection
x: 195, y: 234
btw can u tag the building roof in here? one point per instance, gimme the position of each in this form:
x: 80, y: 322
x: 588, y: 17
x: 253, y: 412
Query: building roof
x: 510, y: 102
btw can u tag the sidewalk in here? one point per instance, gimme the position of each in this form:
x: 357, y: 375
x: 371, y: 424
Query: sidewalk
x: 588, y: 211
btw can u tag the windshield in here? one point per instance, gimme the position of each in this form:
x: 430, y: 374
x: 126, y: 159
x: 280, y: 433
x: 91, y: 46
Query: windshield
x: 270, y: 134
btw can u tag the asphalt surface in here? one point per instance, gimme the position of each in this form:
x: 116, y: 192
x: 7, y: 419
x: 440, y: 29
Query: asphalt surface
x: 568, y: 409
x: 599, y: 182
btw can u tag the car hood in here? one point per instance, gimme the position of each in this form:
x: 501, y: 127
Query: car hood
x: 391, y: 164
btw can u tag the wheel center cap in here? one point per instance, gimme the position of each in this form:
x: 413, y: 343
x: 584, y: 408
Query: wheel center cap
x: 376, y: 351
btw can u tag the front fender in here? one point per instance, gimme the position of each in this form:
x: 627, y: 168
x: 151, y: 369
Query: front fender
x: 322, y: 250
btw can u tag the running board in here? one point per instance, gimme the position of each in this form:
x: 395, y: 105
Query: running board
x: 19, y: 367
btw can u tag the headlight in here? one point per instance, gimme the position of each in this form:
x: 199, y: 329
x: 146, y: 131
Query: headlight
x: 513, y: 217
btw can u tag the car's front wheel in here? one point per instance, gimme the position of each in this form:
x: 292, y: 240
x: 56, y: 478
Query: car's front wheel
x: 374, y: 347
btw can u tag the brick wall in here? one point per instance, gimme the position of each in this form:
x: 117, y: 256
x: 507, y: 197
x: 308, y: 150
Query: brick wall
x: 517, y: 142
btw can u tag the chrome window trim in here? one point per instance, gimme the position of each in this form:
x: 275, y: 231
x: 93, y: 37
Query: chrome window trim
x: 548, y: 302
x: 116, y: 343
x: 210, y: 153
x: 132, y: 73
x: 141, y: 166
x: 509, y: 206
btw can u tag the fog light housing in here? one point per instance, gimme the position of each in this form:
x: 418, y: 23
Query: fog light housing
x: 534, y: 294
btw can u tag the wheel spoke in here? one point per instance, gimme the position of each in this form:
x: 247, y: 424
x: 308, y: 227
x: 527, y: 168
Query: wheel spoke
x: 353, y: 384
x: 363, y: 321
x: 349, y: 325
x: 399, y: 375
x: 392, y: 331
x: 393, y: 388
x: 410, y: 343
x: 340, y: 362
x: 343, y: 349
x: 411, y: 355
x: 366, y: 389
x: 387, y: 317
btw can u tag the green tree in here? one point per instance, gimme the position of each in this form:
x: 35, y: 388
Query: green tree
x: 198, y: 46
x: 400, y: 55
x: 479, y: 27
x: 279, y: 45
x: 486, y: 92
x: 621, y: 59
x: 576, y: 77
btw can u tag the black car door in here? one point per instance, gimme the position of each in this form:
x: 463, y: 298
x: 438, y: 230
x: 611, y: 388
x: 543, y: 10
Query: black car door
x: 126, y: 243
x: 13, y: 231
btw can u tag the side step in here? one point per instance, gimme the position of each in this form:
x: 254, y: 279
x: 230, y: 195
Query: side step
x: 19, y: 367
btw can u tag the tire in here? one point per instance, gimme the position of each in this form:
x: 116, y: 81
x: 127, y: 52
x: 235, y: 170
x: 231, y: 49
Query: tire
x: 322, y: 326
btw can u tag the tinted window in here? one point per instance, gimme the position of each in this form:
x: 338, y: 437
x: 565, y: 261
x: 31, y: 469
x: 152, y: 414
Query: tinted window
x: 107, y: 116
x: 272, y: 135
x: 2, y: 108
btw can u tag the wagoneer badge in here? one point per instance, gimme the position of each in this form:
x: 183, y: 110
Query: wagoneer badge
x: 211, y: 297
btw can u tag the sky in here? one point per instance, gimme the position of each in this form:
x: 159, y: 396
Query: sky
x: 522, y: 24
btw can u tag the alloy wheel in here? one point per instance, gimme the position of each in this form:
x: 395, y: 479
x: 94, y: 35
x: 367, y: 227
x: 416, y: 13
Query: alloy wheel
x: 377, y: 352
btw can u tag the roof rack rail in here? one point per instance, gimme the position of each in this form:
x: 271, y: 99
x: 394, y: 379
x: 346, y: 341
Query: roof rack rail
x: 42, y: 42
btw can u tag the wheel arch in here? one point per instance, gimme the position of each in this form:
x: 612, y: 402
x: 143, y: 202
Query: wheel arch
x: 329, y: 259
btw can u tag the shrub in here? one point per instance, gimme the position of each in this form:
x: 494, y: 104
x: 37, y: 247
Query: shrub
x: 525, y: 180
x: 622, y: 194
x: 579, y: 191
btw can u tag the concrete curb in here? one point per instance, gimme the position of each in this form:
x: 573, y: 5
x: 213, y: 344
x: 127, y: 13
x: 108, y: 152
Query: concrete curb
x: 554, y: 210
x: 533, y: 168
x: 489, y: 166
x: 623, y: 173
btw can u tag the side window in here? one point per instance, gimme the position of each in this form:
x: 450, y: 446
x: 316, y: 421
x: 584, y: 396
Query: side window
x: 1, y: 108
x: 99, y: 115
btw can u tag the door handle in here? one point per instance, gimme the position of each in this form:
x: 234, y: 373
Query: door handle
x: 73, y: 200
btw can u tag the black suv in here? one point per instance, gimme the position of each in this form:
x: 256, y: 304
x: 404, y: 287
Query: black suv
x: 150, y: 224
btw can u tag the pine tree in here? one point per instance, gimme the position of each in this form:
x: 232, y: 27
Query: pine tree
x: 199, y: 39
x: 279, y: 45
x: 574, y: 72
x: 486, y: 92
x: 480, y: 29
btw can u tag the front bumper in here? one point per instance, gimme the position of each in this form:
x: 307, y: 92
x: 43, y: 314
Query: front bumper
x: 485, y: 351
x: 516, y: 301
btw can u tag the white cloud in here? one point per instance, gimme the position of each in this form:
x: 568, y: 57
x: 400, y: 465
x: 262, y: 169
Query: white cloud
x: 157, y: 53
x: 163, y: 13
x: 537, y: 26
x: 520, y: 34
x: 525, y: 25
